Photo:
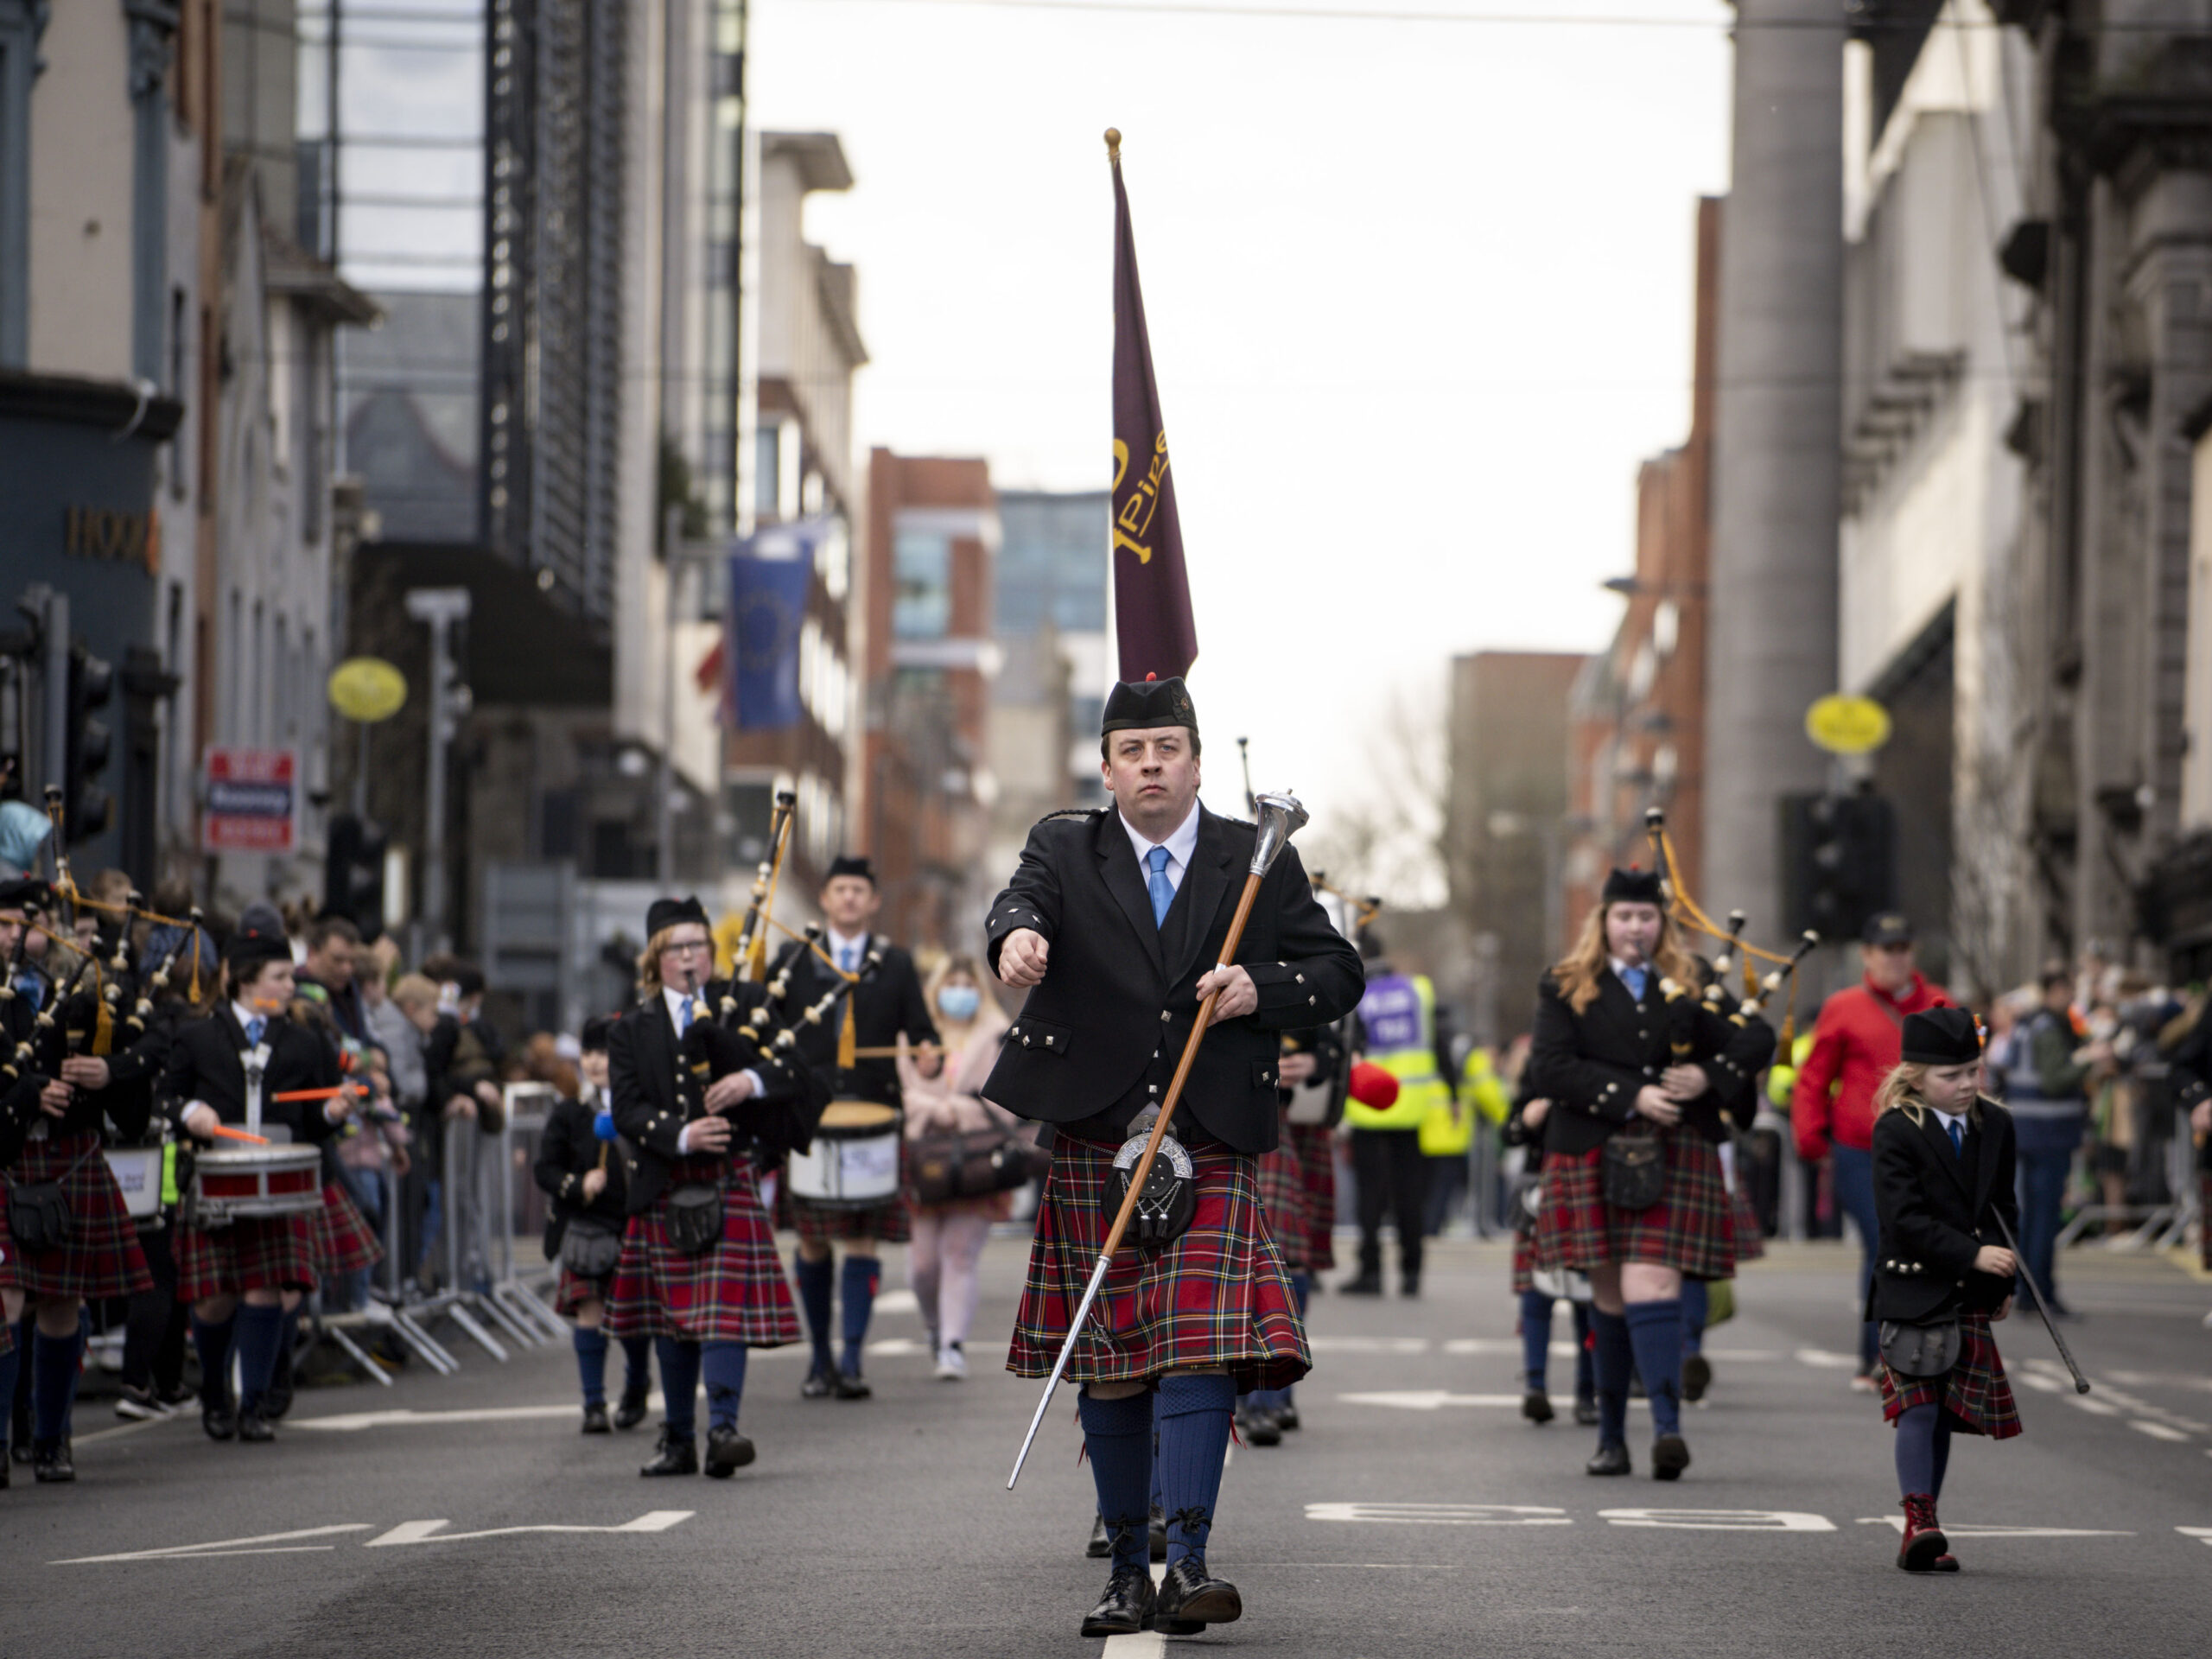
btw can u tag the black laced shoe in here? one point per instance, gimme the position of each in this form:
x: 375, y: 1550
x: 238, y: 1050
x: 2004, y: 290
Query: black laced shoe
x: 630, y: 1411
x: 1126, y: 1608
x: 1287, y: 1420
x: 595, y: 1419
x: 850, y: 1385
x: 219, y: 1419
x: 1585, y: 1411
x: 51, y: 1463
x: 1190, y: 1595
x: 818, y: 1385
x: 1100, y: 1545
x: 254, y: 1425
x: 1697, y: 1376
x: 675, y: 1456
x: 1612, y: 1459
x: 727, y: 1451
x: 1670, y: 1455
x: 1536, y: 1406
x: 1257, y: 1424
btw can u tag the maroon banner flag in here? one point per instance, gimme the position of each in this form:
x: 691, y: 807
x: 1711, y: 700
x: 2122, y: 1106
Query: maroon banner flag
x: 1152, y: 593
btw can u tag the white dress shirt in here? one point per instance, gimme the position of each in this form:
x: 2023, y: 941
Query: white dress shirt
x: 837, y: 944
x: 1179, y: 845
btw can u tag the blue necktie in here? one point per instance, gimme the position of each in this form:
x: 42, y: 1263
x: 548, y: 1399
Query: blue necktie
x: 685, y: 1013
x: 847, y: 954
x: 1634, y: 978
x: 254, y: 1028
x: 1163, y: 893
x: 1958, y: 1139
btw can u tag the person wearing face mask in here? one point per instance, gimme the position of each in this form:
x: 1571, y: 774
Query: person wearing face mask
x: 947, y: 1244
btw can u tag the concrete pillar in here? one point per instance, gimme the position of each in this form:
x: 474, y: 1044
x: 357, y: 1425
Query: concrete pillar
x: 1777, y: 444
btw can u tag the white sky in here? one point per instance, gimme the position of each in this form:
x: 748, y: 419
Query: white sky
x: 1419, y: 296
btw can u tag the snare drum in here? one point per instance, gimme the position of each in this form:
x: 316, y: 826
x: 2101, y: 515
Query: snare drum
x: 231, y: 1182
x: 137, y: 1171
x: 853, y: 1163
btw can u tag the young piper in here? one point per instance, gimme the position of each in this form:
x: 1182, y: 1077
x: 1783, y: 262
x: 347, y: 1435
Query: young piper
x: 579, y: 1169
x: 1943, y: 1173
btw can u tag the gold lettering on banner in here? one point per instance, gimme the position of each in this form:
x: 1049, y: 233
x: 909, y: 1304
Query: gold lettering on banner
x: 1133, y: 517
x: 98, y: 533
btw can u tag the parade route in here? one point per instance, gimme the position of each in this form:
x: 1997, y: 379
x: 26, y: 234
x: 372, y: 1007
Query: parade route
x: 464, y: 1516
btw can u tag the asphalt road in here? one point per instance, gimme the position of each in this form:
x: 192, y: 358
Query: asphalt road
x: 1415, y: 1514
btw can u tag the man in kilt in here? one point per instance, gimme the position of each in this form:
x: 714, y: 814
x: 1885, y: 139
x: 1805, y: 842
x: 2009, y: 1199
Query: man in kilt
x: 1637, y: 1065
x: 884, y: 1005
x: 1114, y: 923
x: 698, y: 1272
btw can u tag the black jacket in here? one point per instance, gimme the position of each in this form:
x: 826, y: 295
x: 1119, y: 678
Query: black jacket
x: 1935, y: 1208
x: 886, y: 1002
x: 206, y: 1064
x: 1100, y: 1037
x: 128, y: 1100
x: 18, y: 1095
x: 567, y: 1152
x: 1592, y: 1064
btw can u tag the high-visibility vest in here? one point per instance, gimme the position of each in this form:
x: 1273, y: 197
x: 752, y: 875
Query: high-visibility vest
x: 1399, y: 1015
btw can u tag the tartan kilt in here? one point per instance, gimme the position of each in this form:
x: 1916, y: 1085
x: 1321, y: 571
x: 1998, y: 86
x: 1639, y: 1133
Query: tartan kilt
x: 1282, y: 1201
x: 1687, y: 1230
x: 1524, y: 1262
x: 823, y: 1223
x: 253, y: 1253
x: 1749, y: 1237
x: 734, y: 1292
x: 1317, y: 1167
x: 1975, y: 1390
x: 344, y: 1241
x: 1218, y: 1295
x: 570, y: 1292
x: 102, y: 1257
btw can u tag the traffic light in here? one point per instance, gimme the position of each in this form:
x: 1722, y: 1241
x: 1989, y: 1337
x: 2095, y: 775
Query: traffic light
x: 87, y: 807
x: 352, y: 876
x: 1839, y: 862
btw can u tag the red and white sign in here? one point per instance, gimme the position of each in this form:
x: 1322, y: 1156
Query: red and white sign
x: 252, y: 801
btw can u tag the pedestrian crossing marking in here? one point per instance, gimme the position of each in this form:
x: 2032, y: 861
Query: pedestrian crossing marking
x: 433, y: 1532
x: 1720, y: 1520
x: 1442, y: 1515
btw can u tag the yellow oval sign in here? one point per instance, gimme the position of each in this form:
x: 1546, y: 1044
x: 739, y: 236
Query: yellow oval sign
x: 367, y: 689
x: 1848, y: 724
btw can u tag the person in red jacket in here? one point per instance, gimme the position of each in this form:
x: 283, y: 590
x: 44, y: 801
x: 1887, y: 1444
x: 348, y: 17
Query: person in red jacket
x: 1855, y: 1045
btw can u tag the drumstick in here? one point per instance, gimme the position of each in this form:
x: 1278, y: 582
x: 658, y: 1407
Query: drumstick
x: 311, y: 1094
x: 891, y: 1052
x: 229, y: 1133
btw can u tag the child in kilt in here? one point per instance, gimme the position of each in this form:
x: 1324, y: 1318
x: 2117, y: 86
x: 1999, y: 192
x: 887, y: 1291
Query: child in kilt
x: 1943, y: 1178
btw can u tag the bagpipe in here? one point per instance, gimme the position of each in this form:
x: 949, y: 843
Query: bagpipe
x: 1683, y: 1001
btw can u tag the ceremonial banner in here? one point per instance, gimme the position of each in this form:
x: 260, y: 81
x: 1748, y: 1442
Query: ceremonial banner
x: 1155, y: 631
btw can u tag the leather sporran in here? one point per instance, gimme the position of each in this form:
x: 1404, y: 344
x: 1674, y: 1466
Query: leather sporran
x: 589, y: 1248
x: 945, y: 1168
x: 1635, y: 1171
x: 1920, y: 1350
x: 695, y: 1218
x: 38, y: 1215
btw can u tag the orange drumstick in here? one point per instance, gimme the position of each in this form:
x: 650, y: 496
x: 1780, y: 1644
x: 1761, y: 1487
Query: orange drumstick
x: 229, y: 1133
x: 311, y: 1094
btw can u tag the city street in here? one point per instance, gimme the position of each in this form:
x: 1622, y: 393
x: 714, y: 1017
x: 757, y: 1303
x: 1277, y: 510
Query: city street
x: 1413, y: 1514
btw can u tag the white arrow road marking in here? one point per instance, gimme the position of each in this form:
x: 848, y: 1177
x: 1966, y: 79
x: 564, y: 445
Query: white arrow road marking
x: 2202, y: 1534
x: 432, y: 1532
x: 1442, y: 1515
x: 1897, y: 1523
x: 225, y: 1547
x: 1720, y: 1520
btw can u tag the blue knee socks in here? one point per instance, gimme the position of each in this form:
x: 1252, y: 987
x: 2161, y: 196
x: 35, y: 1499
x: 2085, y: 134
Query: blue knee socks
x: 213, y: 1342
x: 591, y: 1362
x: 1610, y: 1358
x: 54, y: 1363
x: 1655, y: 1330
x: 260, y: 1334
x: 813, y: 1301
x: 1535, y: 1337
x: 1941, y: 1450
x: 857, y: 1294
x: 679, y: 1383
x: 1586, y: 1366
x: 1194, y: 1420
x: 1695, y: 1305
x: 637, y: 1367
x: 1117, y: 1434
x: 1915, y: 1450
x: 723, y: 1366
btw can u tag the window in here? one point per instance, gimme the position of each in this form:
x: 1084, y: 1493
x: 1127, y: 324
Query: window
x: 921, y: 585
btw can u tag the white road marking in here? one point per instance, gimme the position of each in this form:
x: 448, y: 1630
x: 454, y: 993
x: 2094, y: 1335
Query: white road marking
x: 1720, y: 1520
x: 1442, y: 1515
x: 897, y: 1301
x: 1896, y: 1522
x: 1386, y: 1345
x: 224, y: 1547
x: 122, y: 1429
x: 433, y: 1532
x: 353, y: 1422
x: 1823, y: 1359
x: 894, y: 1347
x: 2091, y: 1404
x: 2155, y: 1430
x: 2202, y: 1534
x: 1146, y: 1644
x: 1427, y: 1399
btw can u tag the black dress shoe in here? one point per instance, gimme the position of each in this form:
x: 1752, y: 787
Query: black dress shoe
x: 1100, y: 1545
x: 1697, y: 1375
x: 1410, y: 1287
x: 255, y: 1425
x: 849, y: 1386
x: 1585, y: 1411
x: 1612, y: 1459
x: 819, y: 1385
x: 630, y: 1411
x: 1190, y: 1594
x: 219, y: 1419
x: 1287, y: 1420
x: 19, y: 1449
x: 1536, y: 1406
x: 1670, y: 1455
x: 727, y: 1451
x: 675, y: 1457
x: 1126, y: 1608
x: 51, y: 1463
x: 1368, y: 1284
x: 1257, y: 1424
x: 595, y: 1419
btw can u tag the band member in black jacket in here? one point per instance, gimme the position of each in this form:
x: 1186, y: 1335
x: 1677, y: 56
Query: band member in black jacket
x: 884, y: 1004
x: 578, y: 1170
x: 1114, y: 923
x: 1627, y: 1054
x: 698, y: 1272
x: 1943, y: 1177
x: 240, y: 1277
x: 21, y: 1084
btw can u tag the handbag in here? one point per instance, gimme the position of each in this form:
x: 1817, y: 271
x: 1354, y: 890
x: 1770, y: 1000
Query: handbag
x: 589, y: 1248
x: 1635, y: 1170
x: 695, y: 1218
x: 38, y: 1212
x: 943, y: 1168
x: 1920, y: 1350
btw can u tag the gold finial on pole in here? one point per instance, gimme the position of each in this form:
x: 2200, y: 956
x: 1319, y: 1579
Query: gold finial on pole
x: 1113, y: 144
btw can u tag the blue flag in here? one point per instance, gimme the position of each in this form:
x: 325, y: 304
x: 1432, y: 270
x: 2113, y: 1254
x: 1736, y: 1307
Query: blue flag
x: 769, y: 578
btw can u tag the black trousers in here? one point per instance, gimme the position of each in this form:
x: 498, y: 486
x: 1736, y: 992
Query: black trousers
x: 1392, y: 1177
x: 153, y: 1337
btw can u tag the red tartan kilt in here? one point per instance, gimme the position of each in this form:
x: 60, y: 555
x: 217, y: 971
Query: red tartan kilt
x: 1975, y: 1390
x: 1316, y: 1165
x: 570, y: 1293
x: 1524, y: 1263
x: 733, y: 1291
x: 1282, y: 1201
x: 343, y: 1241
x: 1688, y: 1230
x: 1749, y: 1237
x: 102, y: 1257
x: 822, y: 1223
x: 254, y: 1253
x: 1218, y: 1295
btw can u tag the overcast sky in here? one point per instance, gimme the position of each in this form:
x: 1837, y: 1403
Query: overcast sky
x: 1419, y: 296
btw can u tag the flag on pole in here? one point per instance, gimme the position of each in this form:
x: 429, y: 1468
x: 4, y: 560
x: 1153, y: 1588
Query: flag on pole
x: 1152, y: 591
x: 770, y: 576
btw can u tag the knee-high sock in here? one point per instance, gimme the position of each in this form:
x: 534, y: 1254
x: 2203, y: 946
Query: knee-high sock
x: 55, y: 1361
x: 1940, y: 1452
x: 1655, y: 1330
x: 723, y: 1366
x: 260, y: 1334
x: 1117, y: 1434
x: 213, y: 1342
x: 10, y: 1364
x: 1611, y: 1358
x: 1194, y: 1420
x: 679, y: 1383
x: 591, y: 1362
x: 857, y: 1299
x: 1586, y: 1367
x: 637, y: 1367
x: 1535, y: 1337
x: 1695, y: 1305
x: 1915, y: 1449
x: 814, y: 1287
x: 288, y: 1339
x: 1153, y: 1499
